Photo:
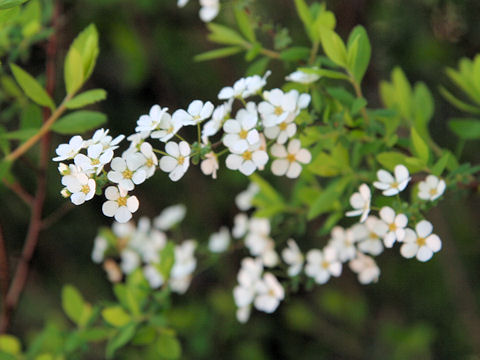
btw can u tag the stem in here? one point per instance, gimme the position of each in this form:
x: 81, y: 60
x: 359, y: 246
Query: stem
x: 358, y: 92
x: 180, y: 137
x: 460, y: 146
x: 160, y: 152
x: 199, y: 133
x: 313, y: 52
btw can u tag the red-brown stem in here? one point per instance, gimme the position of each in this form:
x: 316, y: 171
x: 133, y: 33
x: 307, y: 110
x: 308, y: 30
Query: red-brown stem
x: 21, y: 273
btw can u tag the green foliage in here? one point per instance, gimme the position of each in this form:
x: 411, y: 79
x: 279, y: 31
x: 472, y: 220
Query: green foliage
x: 31, y: 87
x: 79, y: 122
x: 86, y: 98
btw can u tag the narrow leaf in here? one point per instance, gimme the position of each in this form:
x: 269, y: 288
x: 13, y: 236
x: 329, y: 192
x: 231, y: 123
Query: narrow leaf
x: 31, y: 87
x: 218, y: 53
x: 86, y: 98
x: 79, y: 122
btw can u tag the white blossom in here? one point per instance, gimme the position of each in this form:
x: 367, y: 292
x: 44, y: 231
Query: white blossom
x: 209, y: 9
x: 244, y: 87
x: 392, y: 185
x: 432, y: 188
x: 152, y: 121
x: 371, y: 234
x: 360, y: 201
x: 95, y: 159
x: 209, y: 165
x: 247, y: 161
x: 101, y: 137
x: 196, y: 113
x: 270, y: 294
x: 421, y: 242
x: 170, y: 216
x: 100, y: 245
x: 184, y: 266
x: 240, y: 225
x: 396, y: 225
x: 167, y: 128
x: 260, y: 243
x: 119, y: 204
x: 151, y: 160
x: 283, y: 131
x: 153, y: 276
x: 343, y: 240
x: 80, y: 186
x: 321, y: 265
x: 240, y: 133
x: 289, y: 159
x: 68, y: 151
x: 130, y: 261
x: 177, y: 161
x: 302, y: 77
x: 182, y: 3
x: 127, y: 172
x: 365, y: 267
x: 219, y: 241
x: 244, y: 199
x: 277, y: 106
x: 293, y: 257
x: 212, y: 126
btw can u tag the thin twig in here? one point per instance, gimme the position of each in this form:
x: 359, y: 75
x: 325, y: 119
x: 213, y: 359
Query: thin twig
x: 19, y: 191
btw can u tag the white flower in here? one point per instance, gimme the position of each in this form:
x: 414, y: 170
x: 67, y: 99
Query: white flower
x: 153, y: 276
x: 392, y: 185
x: 343, y: 240
x: 170, y: 216
x: 293, y: 257
x: 241, y: 132
x: 244, y: 293
x: 209, y: 165
x: 243, y: 314
x: 95, y: 159
x: 180, y: 285
x: 123, y: 230
x: 283, y: 131
x: 396, y: 225
x: 421, y: 242
x: 81, y: 187
x: 212, y: 126
x: 302, y: 77
x: 244, y: 199
x: 101, y: 137
x: 185, y: 262
x: 289, y: 159
x: 167, y: 129
x: 197, y: 112
x: 209, y: 9
x: 68, y: 151
x: 151, y: 160
x: 130, y: 261
x: 240, y: 225
x: 182, y: 3
x: 152, y: 121
x: 371, y: 234
x: 119, y: 204
x: 259, y: 243
x: 219, y: 241
x: 321, y: 265
x: 366, y: 268
x: 248, y: 161
x: 127, y: 172
x: 244, y: 87
x: 432, y: 188
x: 177, y: 161
x: 360, y: 201
x: 270, y: 293
x: 277, y: 106
x: 100, y: 245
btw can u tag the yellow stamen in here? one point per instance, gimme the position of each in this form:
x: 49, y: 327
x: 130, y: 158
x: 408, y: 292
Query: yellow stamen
x: 291, y: 158
x: 95, y: 161
x: 283, y: 126
x: 122, y: 201
x: 243, y: 134
x: 392, y: 227
x: 85, y: 189
x: 325, y: 264
x: 433, y: 192
x: 421, y: 241
x: 181, y: 160
x: 247, y: 155
x: 127, y: 174
x: 394, y: 184
x: 278, y: 110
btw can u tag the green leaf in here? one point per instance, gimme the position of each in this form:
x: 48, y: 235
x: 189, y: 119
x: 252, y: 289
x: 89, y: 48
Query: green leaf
x: 295, y: 54
x: 10, y: 344
x: 266, y: 189
x: 7, y: 4
x: 218, y: 53
x: 457, y: 102
x: 72, y: 303
x: 357, y: 105
x: 359, y: 53
x: 224, y: 35
x: 86, y: 98
x: 304, y: 13
x: 326, y: 73
x: 466, y: 128
x: 144, y: 336
x: 31, y: 117
x: 423, y: 104
x: 167, y: 259
x: 116, y: 316
x: 120, y: 339
x: 23, y: 134
x: 168, y: 346
x: 258, y: 67
x: 86, y: 44
x: 420, y: 148
x: 244, y: 24
x: 4, y: 168
x: 390, y: 159
x: 79, y: 122
x: 31, y: 87
x: 334, y: 47
x: 403, y: 92
x: 73, y: 71
x: 328, y: 199
x: 441, y: 164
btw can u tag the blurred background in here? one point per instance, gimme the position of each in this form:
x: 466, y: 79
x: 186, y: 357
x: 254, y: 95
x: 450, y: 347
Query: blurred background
x: 415, y: 311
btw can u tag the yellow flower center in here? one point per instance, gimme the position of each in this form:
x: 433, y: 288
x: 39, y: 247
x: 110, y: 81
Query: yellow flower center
x: 372, y: 235
x: 394, y: 184
x: 243, y: 134
x: 291, y: 158
x: 149, y: 163
x: 170, y: 130
x: 85, y: 189
x: 122, y: 201
x: 283, y: 126
x: 421, y: 241
x: 181, y: 159
x: 433, y: 192
x: 325, y: 264
x: 278, y: 110
x: 247, y: 155
x: 95, y: 161
x: 196, y: 117
x: 392, y: 227
x: 127, y: 174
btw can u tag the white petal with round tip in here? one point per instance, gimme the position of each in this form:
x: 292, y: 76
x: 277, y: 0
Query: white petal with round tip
x: 424, y: 228
x: 122, y: 215
x: 109, y: 208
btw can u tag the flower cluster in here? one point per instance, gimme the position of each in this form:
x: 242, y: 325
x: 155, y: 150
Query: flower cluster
x: 147, y: 246
x: 209, y: 9
x: 251, y: 136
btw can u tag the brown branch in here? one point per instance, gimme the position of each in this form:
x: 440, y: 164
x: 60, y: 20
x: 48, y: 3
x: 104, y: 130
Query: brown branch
x: 19, y: 191
x: 21, y: 273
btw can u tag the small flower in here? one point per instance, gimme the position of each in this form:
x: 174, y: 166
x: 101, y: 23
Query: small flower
x: 100, y: 245
x: 244, y: 87
x: 277, y: 106
x: 81, y: 187
x: 182, y: 3
x: 209, y: 9
x: 153, y: 276
x: 283, y: 131
x: 243, y: 314
x: 240, y: 225
x: 289, y: 159
x: 270, y: 293
x: 360, y: 201
x: 127, y: 172
x: 371, y: 234
x: 302, y: 77
x: 197, y: 112
x: 366, y: 268
x: 177, y: 161
x: 323, y: 264
x: 68, y: 151
x: 212, y: 126
x: 392, y: 185
x: 248, y: 278
x: 259, y: 243
x: 343, y: 240
x: 396, y: 225
x: 119, y: 204
x: 130, y: 261
x: 432, y: 188
x: 152, y: 121
x: 241, y: 132
x: 167, y: 128
x: 293, y: 257
x: 170, y: 216
x: 95, y: 159
x: 219, y: 241
x: 244, y: 199
x: 151, y: 160
x: 185, y: 262
x: 247, y: 161
x: 421, y: 242
x: 101, y: 137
